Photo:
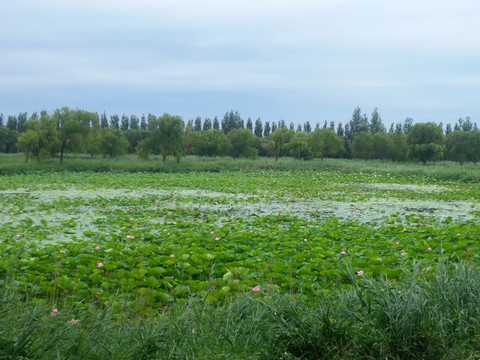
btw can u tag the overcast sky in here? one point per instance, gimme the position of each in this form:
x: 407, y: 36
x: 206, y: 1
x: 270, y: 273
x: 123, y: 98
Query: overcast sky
x: 295, y: 60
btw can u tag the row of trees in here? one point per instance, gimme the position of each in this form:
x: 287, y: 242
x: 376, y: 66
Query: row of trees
x: 66, y: 130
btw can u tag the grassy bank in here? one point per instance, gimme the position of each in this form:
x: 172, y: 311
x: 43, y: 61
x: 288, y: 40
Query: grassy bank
x: 15, y: 163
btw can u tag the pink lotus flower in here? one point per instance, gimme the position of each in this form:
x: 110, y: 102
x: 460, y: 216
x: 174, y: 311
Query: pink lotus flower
x: 360, y: 272
x: 256, y: 288
x: 97, y: 247
x: 217, y: 239
x: 397, y: 242
x: 174, y: 223
x: 172, y: 255
x: 74, y: 321
x: 54, y: 312
x: 100, y: 264
x: 343, y: 253
x: 63, y: 251
x: 429, y: 249
x: 402, y: 251
x: 305, y: 240
x: 211, y: 233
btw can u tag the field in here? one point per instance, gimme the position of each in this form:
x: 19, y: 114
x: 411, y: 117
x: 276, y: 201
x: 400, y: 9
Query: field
x: 144, y: 245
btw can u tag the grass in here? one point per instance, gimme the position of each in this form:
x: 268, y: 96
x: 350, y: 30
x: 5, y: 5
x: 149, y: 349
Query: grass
x: 424, y: 317
x: 15, y: 163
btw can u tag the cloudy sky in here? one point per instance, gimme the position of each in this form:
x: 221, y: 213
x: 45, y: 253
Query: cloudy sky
x: 295, y: 60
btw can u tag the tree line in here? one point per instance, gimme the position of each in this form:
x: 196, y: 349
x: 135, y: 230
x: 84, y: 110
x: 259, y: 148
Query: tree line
x: 67, y: 130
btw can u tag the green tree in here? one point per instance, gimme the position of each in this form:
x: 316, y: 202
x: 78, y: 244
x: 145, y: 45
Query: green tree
x: 307, y: 127
x: 266, y: 129
x: 231, y: 120
x: 104, y: 120
x: 29, y: 144
x: 12, y: 122
x: 198, y: 124
x: 93, y: 145
x: 125, y: 122
x: 211, y: 143
x: 461, y: 146
x: 113, y: 142
x: 425, y: 142
x: 407, y: 126
x: 243, y: 143
x: 40, y: 139
x: 249, y: 124
x: 382, y: 146
x: 299, y: 146
x: 280, y: 138
x: 114, y: 121
x: 72, y: 126
x: 168, y: 136
x: 22, y: 122
x: 216, y: 123
x: 143, y: 123
x: 325, y: 143
x: 207, y: 124
x: 358, y: 123
x: 376, y: 124
x: 134, y: 122
x: 474, y: 148
x: 258, y: 128
x: 8, y: 140
x: 362, y: 146
x: 274, y: 126
x: 399, y: 149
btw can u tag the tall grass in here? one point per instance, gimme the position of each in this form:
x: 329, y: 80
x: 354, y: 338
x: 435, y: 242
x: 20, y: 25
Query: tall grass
x: 425, y: 316
x: 15, y: 163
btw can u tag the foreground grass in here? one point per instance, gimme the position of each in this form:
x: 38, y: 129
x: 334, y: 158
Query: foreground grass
x: 15, y: 163
x: 434, y: 317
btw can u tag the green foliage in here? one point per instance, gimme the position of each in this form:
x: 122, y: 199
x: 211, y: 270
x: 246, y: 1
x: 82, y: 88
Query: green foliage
x: 382, y: 146
x: 231, y: 120
x: 425, y: 140
x: 299, y: 146
x: 461, y: 146
x: 167, y: 136
x: 242, y: 143
x: 279, y: 140
x: 210, y: 143
x: 8, y: 140
x: 73, y: 127
x: 363, y: 146
x: 399, y: 149
x: 40, y: 140
x: 112, y: 142
x: 326, y: 143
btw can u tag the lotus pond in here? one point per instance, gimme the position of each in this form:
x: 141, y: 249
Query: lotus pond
x: 140, y: 241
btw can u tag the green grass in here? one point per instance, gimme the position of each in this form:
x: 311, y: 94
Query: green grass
x: 15, y: 163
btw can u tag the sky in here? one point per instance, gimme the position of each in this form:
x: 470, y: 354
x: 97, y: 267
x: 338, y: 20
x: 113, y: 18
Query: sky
x: 297, y: 60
